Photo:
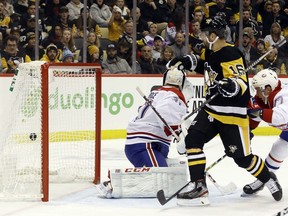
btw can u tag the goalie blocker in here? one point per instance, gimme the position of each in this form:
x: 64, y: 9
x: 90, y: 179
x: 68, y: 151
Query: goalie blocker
x: 143, y: 182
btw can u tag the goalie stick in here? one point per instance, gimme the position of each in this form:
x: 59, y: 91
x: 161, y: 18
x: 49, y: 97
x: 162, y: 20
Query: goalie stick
x: 157, y: 113
x: 225, y: 190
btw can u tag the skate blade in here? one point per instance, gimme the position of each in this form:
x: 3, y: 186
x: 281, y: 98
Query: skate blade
x: 193, y: 202
x: 102, y: 191
x: 243, y: 194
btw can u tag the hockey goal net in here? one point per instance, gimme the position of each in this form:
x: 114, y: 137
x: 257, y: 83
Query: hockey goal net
x: 51, y: 130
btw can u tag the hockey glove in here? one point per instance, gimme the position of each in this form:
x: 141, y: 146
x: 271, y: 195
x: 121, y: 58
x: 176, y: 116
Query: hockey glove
x: 255, y: 113
x: 228, y: 87
x: 252, y: 104
x: 173, y: 62
x: 188, y: 62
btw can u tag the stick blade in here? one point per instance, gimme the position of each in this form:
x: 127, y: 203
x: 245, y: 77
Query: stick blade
x: 228, y: 189
x: 161, y: 197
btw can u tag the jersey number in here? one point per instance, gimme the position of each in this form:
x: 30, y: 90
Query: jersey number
x: 238, y: 69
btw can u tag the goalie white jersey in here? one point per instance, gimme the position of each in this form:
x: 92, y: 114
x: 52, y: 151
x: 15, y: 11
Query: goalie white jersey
x: 148, y: 127
x: 148, y: 139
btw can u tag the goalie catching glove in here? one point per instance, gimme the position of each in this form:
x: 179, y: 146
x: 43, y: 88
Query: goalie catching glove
x: 228, y: 87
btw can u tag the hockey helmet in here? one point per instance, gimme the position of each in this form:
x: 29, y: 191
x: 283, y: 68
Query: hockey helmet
x: 264, y: 78
x: 174, y: 76
x: 217, y: 25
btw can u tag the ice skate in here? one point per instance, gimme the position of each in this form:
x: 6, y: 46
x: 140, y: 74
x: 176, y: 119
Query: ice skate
x: 252, y: 188
x: 256, y: 186
x: 197, y: 195
x: 274, y: 187
x: 104, y: 190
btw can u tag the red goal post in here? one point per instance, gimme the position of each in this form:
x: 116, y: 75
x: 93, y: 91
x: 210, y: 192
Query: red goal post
x: 82, y: 70
x: 53, y: 130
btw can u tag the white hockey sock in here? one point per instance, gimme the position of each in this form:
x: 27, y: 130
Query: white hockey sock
x: 278, y: 153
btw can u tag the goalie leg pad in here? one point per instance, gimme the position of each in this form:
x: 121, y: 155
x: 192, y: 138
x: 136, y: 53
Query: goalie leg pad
x: 175, y: 162
x: 146, y: 181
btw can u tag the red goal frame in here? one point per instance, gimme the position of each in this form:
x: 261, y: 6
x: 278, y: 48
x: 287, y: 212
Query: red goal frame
x: 45, y: 121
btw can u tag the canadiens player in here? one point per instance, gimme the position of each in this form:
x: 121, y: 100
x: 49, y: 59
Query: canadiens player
x: 148, y: 140
x: 226, y: 115
x: 270, y: 104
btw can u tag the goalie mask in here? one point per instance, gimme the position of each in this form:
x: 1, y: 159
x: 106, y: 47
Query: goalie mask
x: 263, y: 78
x: 174, y: 77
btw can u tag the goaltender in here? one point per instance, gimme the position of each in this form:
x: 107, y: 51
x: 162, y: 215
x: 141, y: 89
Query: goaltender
x: 148, y: 140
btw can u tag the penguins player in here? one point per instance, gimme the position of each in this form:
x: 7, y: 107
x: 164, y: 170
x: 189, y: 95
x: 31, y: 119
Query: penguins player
x: 222, y: 65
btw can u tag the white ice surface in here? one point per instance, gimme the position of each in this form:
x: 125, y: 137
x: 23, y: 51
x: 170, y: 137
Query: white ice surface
x: 80, y: 199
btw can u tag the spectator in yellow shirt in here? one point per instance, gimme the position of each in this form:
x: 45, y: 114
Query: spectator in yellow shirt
x: 4, y: 22
x: 51, y: 54
x: 116, y: 24
x: 11, y: 56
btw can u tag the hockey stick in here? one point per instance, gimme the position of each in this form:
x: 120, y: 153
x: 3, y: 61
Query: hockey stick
x: 216, y: 162
x: 282, y: 212
x: 200, y: 107
x: 230, y: 188
x: 225, y: 190
x: 160, y: 194
x: 157, y: 113
x: 162, y: 198
x: 274, y: 46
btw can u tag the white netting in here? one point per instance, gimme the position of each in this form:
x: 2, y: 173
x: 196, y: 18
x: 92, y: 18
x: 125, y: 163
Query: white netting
x: 72, y: 102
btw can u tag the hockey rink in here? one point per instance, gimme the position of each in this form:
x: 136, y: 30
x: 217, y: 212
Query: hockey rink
x: 80, y: 199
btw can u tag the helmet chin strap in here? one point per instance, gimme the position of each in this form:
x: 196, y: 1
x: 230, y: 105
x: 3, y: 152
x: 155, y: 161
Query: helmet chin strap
x: 265, y: 99
x: 265, y: 96
x: 211, y: 43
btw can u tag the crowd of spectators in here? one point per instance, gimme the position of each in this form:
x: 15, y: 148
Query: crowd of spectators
x: 160, y: 36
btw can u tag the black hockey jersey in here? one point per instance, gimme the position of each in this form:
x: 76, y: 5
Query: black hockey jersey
x: 227, y: 62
